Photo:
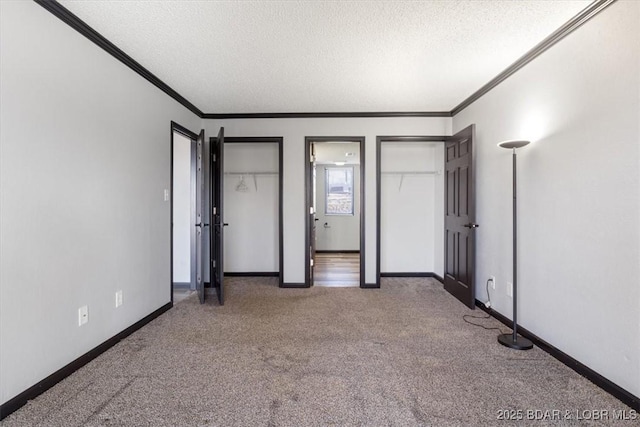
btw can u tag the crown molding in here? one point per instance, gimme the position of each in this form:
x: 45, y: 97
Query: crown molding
x: 83, y: 28
x: 570, y: 26
x: 326, y: 115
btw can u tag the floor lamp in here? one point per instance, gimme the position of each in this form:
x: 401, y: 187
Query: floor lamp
x: 513, y: 340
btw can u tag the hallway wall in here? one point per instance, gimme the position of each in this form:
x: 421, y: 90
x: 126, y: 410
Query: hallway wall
x: 183, y: 217
x: 343, y: 232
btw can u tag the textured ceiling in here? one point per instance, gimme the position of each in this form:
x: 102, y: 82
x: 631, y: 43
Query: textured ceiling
x: 325, y: 56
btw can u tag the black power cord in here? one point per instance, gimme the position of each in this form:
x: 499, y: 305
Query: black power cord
x: 469, y: 316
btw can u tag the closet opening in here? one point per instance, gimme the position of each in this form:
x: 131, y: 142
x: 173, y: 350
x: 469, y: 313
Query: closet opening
x: 253, y: 240
x: 410, y: 201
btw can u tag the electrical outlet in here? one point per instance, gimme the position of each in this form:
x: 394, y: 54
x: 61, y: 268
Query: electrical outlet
x: 118, y: 298
x: 492, y: 282
x: 510, y: 289
x: 83, y: 315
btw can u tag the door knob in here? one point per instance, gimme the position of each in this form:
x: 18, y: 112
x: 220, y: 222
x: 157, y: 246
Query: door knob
x: 472, y: 225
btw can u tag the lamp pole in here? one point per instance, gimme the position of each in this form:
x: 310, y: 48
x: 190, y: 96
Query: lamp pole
x: 513, y: 340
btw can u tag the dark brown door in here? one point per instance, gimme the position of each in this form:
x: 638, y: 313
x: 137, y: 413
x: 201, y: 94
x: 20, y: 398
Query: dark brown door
x: 217, y: 218
x: 460, y: 217
x: 200, y: 209
x: 312, y: 213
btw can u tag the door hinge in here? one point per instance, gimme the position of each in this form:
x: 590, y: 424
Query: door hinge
x: 215, y: 210
x: 214, y: 263
x: 213, y: 156
x: 311, y: 262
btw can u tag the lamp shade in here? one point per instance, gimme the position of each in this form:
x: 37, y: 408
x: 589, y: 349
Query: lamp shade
x: 513, y: 143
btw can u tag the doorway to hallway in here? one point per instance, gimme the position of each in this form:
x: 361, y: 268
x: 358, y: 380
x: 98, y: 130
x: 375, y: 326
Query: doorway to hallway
x: 335, y: 216
x: 186, y: 228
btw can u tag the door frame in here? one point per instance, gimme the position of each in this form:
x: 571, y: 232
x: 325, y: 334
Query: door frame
x: 177, y: 128
x: 270, y: 140
x: 308, y: 140
x: 379, y: 141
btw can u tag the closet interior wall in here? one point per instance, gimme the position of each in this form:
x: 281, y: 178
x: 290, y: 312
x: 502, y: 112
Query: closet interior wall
x: 251, y: 180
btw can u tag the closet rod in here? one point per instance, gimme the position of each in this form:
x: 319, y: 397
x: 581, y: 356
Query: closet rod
x: 251, y: 173
x: 410, y: 173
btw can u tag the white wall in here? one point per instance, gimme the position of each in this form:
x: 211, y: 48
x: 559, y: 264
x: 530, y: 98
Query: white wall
x: 343, y: 233
x: 411, y: 206
x: 84, y: 161
x: 579, y: 193
x: 181, y: 209
x: 293, y: 132
x: 251, y: 241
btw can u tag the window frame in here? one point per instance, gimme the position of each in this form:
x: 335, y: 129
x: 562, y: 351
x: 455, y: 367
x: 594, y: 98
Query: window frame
x: 327, y: 171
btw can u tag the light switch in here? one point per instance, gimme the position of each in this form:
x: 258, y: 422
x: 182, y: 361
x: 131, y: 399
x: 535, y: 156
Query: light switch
x: 166, y: 195
x: 83, y: 315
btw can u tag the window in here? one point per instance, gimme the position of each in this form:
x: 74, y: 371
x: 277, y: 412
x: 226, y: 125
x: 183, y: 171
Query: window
x: 339, y: 191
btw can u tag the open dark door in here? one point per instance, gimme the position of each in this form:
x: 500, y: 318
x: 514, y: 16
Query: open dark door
x: 459, y: 221
x: 217, y: 219
x: 312, y: 212
x: 200, y: 209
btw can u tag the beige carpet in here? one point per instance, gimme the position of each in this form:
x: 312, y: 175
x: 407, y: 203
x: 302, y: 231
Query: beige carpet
x: 397, y: 356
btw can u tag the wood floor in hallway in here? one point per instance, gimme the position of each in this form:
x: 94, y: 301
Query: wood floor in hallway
x: 337, y: 269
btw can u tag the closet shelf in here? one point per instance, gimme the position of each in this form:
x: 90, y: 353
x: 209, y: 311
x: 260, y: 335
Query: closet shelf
x: 404, y: 173
x: 254, y: 175
x: 410, y: 173
x: 251, y: 173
